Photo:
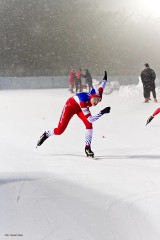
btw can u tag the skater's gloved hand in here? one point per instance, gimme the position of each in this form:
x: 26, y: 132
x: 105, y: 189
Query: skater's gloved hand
x: 105, y: 76
x: 105, y: 110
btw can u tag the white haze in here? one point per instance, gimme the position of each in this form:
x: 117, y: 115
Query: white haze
x: 142, y: 7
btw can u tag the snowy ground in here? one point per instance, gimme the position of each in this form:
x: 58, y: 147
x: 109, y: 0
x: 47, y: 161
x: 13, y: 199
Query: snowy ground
x: 55, y: 193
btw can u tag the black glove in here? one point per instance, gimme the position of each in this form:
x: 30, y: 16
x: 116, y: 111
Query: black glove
x: 105, y: 110
x: 149, y: 119
x: 105, y: 76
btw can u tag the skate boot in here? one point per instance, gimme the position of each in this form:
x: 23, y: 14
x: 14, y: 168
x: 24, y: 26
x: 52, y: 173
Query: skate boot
x: 89, y: 152
x: 42, y: 139
x: 149, y: 119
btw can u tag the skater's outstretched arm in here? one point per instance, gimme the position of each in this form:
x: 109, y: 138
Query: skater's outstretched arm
x: 92, y: 119
x: 103, y: 83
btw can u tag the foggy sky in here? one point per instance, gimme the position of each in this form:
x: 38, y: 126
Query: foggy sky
x: 139, y: 7
x: 46, y: 37
x: 114, y: 4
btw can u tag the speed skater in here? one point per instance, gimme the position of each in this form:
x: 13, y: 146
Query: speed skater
x: 79, y: 104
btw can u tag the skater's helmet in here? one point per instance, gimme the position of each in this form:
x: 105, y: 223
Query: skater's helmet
x: 95, y: 94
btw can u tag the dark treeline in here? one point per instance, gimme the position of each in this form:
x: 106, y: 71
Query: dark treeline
x: 48, y: 37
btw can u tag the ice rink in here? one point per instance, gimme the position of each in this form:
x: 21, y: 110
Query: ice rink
x: 54, y: 192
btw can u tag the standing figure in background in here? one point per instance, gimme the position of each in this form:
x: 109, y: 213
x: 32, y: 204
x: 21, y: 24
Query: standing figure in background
x: 153, y: 115
x: 88, y: 79
x: 79, y: 105
x: 72, y: 79
x: 148, y: 77
x: 78, y: 82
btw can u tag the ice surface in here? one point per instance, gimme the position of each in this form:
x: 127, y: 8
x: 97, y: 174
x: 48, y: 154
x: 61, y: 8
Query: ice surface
x: 55, y: 193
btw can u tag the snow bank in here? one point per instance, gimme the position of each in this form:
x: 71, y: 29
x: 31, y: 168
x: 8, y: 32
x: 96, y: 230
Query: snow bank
x: 131, y: 90
x: 134, y: 90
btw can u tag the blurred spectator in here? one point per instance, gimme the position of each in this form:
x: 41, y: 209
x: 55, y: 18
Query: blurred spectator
x: 148, y: 77
x: 78, y: 82
x: 72, y: 78
x: 88, y: 79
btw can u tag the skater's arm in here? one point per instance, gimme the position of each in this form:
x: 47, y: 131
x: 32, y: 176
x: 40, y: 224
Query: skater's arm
x: 88, y: 115
x: 103, y: 83
x: 92, y: 119
x: 101, y: 87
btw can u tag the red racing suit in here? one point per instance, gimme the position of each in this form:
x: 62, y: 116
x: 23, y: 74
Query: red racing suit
x: 79, y: 104
x: 156, y: 112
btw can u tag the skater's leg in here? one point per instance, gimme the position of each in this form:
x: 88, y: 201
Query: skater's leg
x: 153, y: 115
x: 156, y: 112
x: 66, y: 115
x: 88, y: 137
x: 88, y: 140
x: 68, y: 111
x: 88, y: 134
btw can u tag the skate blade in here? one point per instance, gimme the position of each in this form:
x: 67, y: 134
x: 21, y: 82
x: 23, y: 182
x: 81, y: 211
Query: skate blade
x: 90, y: 156
x: 38, y: 144
x: 147, y: 123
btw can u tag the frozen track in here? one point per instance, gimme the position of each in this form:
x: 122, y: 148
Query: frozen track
x: 55, y: 193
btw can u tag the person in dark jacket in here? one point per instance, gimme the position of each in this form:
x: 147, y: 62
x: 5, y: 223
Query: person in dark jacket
x: 88, y: 79
x: 148, y: 77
